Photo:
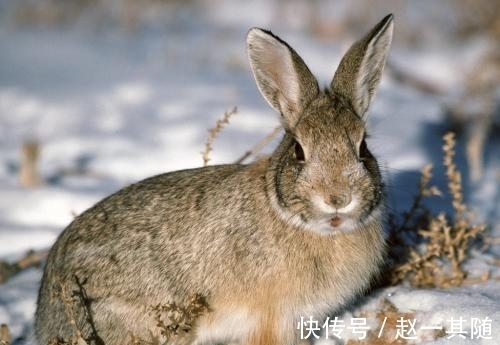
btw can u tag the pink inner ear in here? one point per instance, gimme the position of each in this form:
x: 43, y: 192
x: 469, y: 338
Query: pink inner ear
x: 283, y: 76
x: 277, y: 69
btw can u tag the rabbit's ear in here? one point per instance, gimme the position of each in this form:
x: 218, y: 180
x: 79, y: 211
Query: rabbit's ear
x: 360, y: 69
x: 281, y: 75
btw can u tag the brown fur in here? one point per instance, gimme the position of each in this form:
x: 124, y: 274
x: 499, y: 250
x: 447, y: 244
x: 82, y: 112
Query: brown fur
x: 256, y: 241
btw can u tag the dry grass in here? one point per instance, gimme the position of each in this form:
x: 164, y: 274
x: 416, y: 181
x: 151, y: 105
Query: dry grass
x: 28, y: 172
x: 436, y: 246
x: 173, y: 320
x: 214, y: 131
x: 176, y: 320
x: 4, y: 335
x: 31, y: 259
x: 70, y: 301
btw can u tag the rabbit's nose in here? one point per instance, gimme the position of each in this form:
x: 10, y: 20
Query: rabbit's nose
x: 340, y: 200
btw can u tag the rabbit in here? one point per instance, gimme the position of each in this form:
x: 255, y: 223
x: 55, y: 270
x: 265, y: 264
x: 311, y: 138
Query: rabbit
x: 296, y: 233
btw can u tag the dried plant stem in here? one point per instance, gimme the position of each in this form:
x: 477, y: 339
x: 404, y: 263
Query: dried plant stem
x: 174, y: 319
x: 69, y: 303
x: 439, y: 260
x: 31, y: 259
x: 85, y: 302
x: 424, y: 190
x: 4, y: 335
x: 259, y: 145
x: 454, y: 176
x: 213, y: 132
x: 28, y: 172
x: 70, y: 299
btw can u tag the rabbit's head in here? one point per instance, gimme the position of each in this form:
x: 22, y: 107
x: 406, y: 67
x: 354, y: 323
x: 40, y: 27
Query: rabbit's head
x: 322, y: 177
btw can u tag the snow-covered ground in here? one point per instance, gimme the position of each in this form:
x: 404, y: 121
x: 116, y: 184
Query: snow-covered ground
x: 126, y: 105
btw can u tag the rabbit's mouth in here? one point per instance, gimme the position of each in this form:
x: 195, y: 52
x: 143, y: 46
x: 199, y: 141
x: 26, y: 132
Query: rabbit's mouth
x: 329, y: 219
x: 324, y: 219
x: 342, y: 222
x: 349, y: 221
x: 336, y: 221
x: 333, y: 224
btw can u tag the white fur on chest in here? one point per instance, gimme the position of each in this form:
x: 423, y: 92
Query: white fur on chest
x: 226, y: 326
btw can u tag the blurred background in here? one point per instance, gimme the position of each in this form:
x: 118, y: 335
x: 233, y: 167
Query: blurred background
x: 80, y: 60
x: 97, y: 94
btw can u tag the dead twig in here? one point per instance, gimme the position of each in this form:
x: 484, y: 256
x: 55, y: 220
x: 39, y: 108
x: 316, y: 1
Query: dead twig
x: 4, y: 335
x: 259, y: 145
x: 213, y: 132
x: 446, y: 242
x: 176, y: 319
x: 31, y: 259
x: 85, y: 302
x: 28, y: 172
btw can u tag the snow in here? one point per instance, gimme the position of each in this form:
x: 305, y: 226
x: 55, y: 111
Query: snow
x: 124, y: 106
x: 439, y: 307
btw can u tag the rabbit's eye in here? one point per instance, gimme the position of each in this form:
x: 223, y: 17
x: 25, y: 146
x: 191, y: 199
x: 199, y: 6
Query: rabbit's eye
x: 299, y: 153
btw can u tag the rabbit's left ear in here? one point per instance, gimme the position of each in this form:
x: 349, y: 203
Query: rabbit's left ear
x: 281, y: 75
x: 359, y: 71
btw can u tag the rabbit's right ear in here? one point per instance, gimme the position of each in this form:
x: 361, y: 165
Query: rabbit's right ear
x: 360, y: 69
x: 281, y: 75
